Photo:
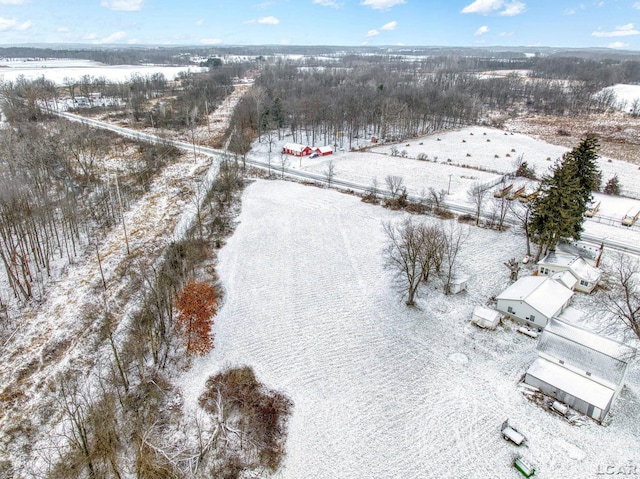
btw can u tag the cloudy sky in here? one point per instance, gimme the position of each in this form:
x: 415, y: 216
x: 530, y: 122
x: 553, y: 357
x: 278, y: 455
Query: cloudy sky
x: 563, y: 23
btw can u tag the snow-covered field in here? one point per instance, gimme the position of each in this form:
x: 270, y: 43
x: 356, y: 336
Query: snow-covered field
x: 625, y: 94
x: 379, y: 389
x: 492, y: 154
x: 59, y: 70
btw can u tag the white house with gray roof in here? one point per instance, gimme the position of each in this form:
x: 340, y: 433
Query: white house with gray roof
x: 580, y: 368
x: 587, y: 276
x: 534, y: 300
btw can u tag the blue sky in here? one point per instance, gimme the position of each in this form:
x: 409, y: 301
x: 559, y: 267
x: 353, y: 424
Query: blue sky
x: 561, y: 23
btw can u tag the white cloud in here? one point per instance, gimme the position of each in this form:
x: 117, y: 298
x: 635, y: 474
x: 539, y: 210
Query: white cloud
x: 7, y: 23
x: 269, y: 20
x: 265, y: 21
x: 199, y: 23
x: 124, y: 5
x: 512, y: 9
x: 618, y: 45
x: 114, y: 37
x: 328, y: 3
x: 63, y: 30
x: 620, y: 31
x: 636, y: 5
x: 372, y: 33
x: 507, y: 8
x: 381, y: 4
x: 570, y: 11
x: 389, y: 26
x: 24, y: 26
x: 211, y: 41
x: 482, y: 30
x: 506, y: 34
x: 13, y: 2
x: 12, y: 24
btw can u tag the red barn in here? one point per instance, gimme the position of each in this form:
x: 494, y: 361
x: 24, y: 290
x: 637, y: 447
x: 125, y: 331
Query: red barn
x: 324, y: 150
x: 296, y: 149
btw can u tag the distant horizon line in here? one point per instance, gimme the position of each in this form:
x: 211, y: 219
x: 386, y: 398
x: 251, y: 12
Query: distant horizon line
x: 59, y: 45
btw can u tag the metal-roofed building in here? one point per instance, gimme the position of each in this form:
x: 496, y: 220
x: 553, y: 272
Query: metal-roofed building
x: 534, y: 300
x: 579, y: 367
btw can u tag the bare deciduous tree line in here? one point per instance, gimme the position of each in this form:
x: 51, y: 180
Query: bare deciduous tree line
x: 56, y: 197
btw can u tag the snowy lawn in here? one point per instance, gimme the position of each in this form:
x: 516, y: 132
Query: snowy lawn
x: 379, y: 389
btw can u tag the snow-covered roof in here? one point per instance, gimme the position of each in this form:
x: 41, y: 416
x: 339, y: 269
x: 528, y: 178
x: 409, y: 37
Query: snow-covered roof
x: 485, y: 313
x: 540, y: 292
x: 571, y: 314
x: 573, y: 262
x: 574, y: 384
x: 566, y: 278
x: 325, y: 149
x: 602, y: 357
x: 294, y: 147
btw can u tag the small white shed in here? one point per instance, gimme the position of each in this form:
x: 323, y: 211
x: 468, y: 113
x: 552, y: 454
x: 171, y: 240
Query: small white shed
x: 458, y: 284
x: 485, y: 317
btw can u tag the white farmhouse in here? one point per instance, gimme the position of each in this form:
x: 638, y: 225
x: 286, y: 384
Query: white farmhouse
x: 580, y: 368
x: 534, y: 300
x: 587, y: 276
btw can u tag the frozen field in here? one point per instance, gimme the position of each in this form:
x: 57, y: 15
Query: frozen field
x: 58, y: 70
x: 381, y: 390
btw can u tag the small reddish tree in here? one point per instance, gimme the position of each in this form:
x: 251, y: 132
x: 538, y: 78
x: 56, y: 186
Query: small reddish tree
x: 197, y: 304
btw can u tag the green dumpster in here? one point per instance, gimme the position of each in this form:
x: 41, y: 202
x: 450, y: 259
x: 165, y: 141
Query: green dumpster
x: 526, y: 469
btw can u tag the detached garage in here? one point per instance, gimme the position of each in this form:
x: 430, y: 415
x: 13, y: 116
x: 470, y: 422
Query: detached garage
x: 534, y: 300
x: 324, y: 150
x: 580, y: 368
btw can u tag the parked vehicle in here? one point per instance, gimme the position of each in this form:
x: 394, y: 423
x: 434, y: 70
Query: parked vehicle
x: 631, y: 217
x: 511, y: 434
x: 526, y: 469
x: 592, y: 209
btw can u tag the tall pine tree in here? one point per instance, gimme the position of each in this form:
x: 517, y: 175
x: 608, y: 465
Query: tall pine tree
x: 557, y: 213
x: 585, y: 155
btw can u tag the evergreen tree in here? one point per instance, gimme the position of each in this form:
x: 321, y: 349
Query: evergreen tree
x: 557, y: 213
x: 613, y: 186
x: 585, y: 156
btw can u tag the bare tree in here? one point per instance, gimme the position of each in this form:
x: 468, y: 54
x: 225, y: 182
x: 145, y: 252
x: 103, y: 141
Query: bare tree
x: 476, y: 194
x: 499, y: 209
x: 395, y: 184
x: 284, y: 163
x: 330, y: 172
x: 514, y: 267
x: 522, y: 212
x: 373, y: 191
x: 455, y: 236
x: 623, y: 300
x: 404, y: 255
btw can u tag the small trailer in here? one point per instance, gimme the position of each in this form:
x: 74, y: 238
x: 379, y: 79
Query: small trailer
x: 503, y: 192
x: 511, y: 434
x: 516, y: 194
x: 526, y: 198
x: 526, y: 469
x: 592, y: 209
x: 631, y: 217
